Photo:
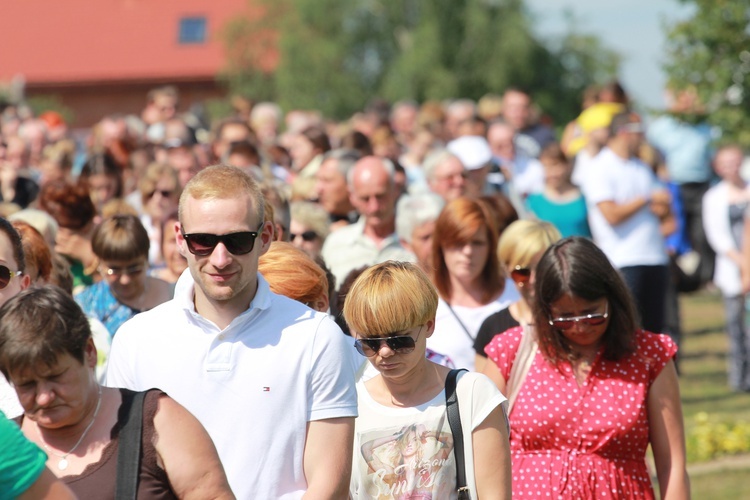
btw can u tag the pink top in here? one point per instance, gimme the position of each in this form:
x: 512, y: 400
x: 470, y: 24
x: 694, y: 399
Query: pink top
x: 582, y: 442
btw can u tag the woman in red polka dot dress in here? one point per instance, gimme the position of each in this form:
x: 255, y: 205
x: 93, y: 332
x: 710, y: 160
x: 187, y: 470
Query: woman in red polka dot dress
x: 597, y: 392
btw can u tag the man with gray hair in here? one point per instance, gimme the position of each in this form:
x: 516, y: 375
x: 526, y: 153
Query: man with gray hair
x: 372, y: 239
x: 445, y: 174
x: 415, y: 223
x: 331, y: 186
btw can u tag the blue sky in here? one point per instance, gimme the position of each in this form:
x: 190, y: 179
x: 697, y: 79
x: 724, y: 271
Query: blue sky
x: 634, y: 28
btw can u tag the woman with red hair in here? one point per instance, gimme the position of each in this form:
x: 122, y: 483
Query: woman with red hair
x: 468, y: 275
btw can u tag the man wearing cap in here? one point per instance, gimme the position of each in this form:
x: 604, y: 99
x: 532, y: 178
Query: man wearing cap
x: 594, y: 123
x: 476, y: 157
x: 372, y: 239
x: 625, y: 202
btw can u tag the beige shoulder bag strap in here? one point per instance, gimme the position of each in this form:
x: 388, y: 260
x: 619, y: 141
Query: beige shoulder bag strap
x: 521, y: 365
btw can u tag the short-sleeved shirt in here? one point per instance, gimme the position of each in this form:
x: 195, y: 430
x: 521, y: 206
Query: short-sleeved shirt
x: 21, y: 461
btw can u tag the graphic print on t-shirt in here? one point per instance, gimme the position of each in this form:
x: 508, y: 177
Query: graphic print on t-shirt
x: 414, y: 461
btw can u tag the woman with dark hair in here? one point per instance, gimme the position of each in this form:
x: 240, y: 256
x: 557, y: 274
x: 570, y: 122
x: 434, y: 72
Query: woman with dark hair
x: 121, y: 244
x: 47, y: 352
x: 468, y: 275
x: 597, y: 391
x: 102, y: 176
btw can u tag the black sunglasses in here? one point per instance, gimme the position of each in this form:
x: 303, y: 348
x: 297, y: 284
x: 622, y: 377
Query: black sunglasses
x: 400, y: 344
x: 163, y: 192
x: 306, y: 236
x: 521, y: 274
x: 6, y: 275
x: 203, y: 244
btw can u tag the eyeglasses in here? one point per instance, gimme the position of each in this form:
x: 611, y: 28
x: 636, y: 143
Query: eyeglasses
x: 595, y: 319
x: 521, y: 275
x: 163, y: 192
x: 202, y: 244
x: 400, y: 344
x: 6, y: 275
x: 123, y: 271
x: 306, y: 236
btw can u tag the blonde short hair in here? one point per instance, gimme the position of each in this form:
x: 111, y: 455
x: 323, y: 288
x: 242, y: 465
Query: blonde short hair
x: 390, y: 297
x: 524, y: 239
x: 222, y: 182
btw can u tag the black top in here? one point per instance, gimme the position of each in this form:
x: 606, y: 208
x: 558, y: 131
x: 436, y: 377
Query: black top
x: 495, y: 324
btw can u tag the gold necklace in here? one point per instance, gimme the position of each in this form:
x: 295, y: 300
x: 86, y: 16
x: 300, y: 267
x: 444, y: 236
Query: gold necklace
x: 63, y: 463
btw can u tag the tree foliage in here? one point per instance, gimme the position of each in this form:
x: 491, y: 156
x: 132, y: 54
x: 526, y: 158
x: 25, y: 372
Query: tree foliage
x: 710, y: 52
x: 336, y: 55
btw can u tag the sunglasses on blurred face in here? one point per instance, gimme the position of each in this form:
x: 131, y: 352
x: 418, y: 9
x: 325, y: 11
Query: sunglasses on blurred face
x: 521, y: 275
x: 306, y: 236
x: 6, y: 275
x: 203, y: 244
x: 400, y: 344
x: 595, y: 319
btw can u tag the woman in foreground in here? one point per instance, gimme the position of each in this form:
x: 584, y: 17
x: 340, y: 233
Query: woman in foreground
x: 403, y: 444
x: 46, y: 351
x: 598, y: 391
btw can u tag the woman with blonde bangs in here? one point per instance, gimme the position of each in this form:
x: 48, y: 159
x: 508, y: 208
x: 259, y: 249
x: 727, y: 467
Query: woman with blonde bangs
x: 294, y: 274
x: 519, y: 249
x: 469, y: 278
x: 403, y: 444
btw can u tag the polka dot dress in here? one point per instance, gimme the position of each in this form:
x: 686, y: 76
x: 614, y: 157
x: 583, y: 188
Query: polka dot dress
x: 586, y: 442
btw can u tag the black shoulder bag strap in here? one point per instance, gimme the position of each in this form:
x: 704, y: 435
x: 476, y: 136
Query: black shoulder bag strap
x: 454, y: 419
x: 129, y: 451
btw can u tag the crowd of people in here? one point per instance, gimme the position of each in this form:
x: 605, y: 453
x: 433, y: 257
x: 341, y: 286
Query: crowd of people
x: 288, y: 305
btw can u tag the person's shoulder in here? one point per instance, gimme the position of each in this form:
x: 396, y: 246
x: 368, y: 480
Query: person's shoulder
x: 657, y: 345
x: 153, y: 321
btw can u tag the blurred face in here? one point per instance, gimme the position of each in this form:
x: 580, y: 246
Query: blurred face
x: 450, y: 179
x: 524, y: 276
x: 728, y: 163
x: 556, y: 173
x: 304, y: 238
x: 465, y: 262
x: 302, y: 152
x: 15, y: 282
x: 223, y: 278
x: 374, y: 197
x: 184, y: 162
x: 163, y: 199
x: 126, y: 279
x: 421, y: 244
x: 331, y: 188
x: 60, y: 395
x: 102, y: 188
x: 516, y: 109
x: 500, y: 138
x: 580, y: 334
x: 174, y: 260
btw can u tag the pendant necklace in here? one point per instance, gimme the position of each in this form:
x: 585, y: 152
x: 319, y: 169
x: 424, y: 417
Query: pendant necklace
x: 63, y: 463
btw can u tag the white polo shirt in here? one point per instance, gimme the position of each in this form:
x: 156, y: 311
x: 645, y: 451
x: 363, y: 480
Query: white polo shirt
x: 253, y: 386
x: 636, y: 241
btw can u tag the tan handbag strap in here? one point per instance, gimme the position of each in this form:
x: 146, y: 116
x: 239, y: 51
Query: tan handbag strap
x: 521, y: 365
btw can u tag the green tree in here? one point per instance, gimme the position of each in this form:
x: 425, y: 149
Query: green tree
x: 336, y: 55
x: 710, y: 52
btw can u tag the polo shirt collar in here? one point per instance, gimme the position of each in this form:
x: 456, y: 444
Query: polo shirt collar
x: 184, y: 293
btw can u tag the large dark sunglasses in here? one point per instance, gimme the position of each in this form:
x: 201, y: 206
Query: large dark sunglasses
x: 306, y: 236
x: 203, y: 244
x: 400, y: 344
x: 595, y: 319
x: 521, y: 275
x: 6, y: 275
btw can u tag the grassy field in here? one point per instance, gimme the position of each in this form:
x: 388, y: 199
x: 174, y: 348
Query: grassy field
x: 703, y: 384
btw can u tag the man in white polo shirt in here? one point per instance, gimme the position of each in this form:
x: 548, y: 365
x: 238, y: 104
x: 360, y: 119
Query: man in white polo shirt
x: 625, y: 202
x: 271, y: 380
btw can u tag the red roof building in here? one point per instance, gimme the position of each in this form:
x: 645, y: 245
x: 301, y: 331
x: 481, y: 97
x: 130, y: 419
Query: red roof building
x: 102, y: 56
